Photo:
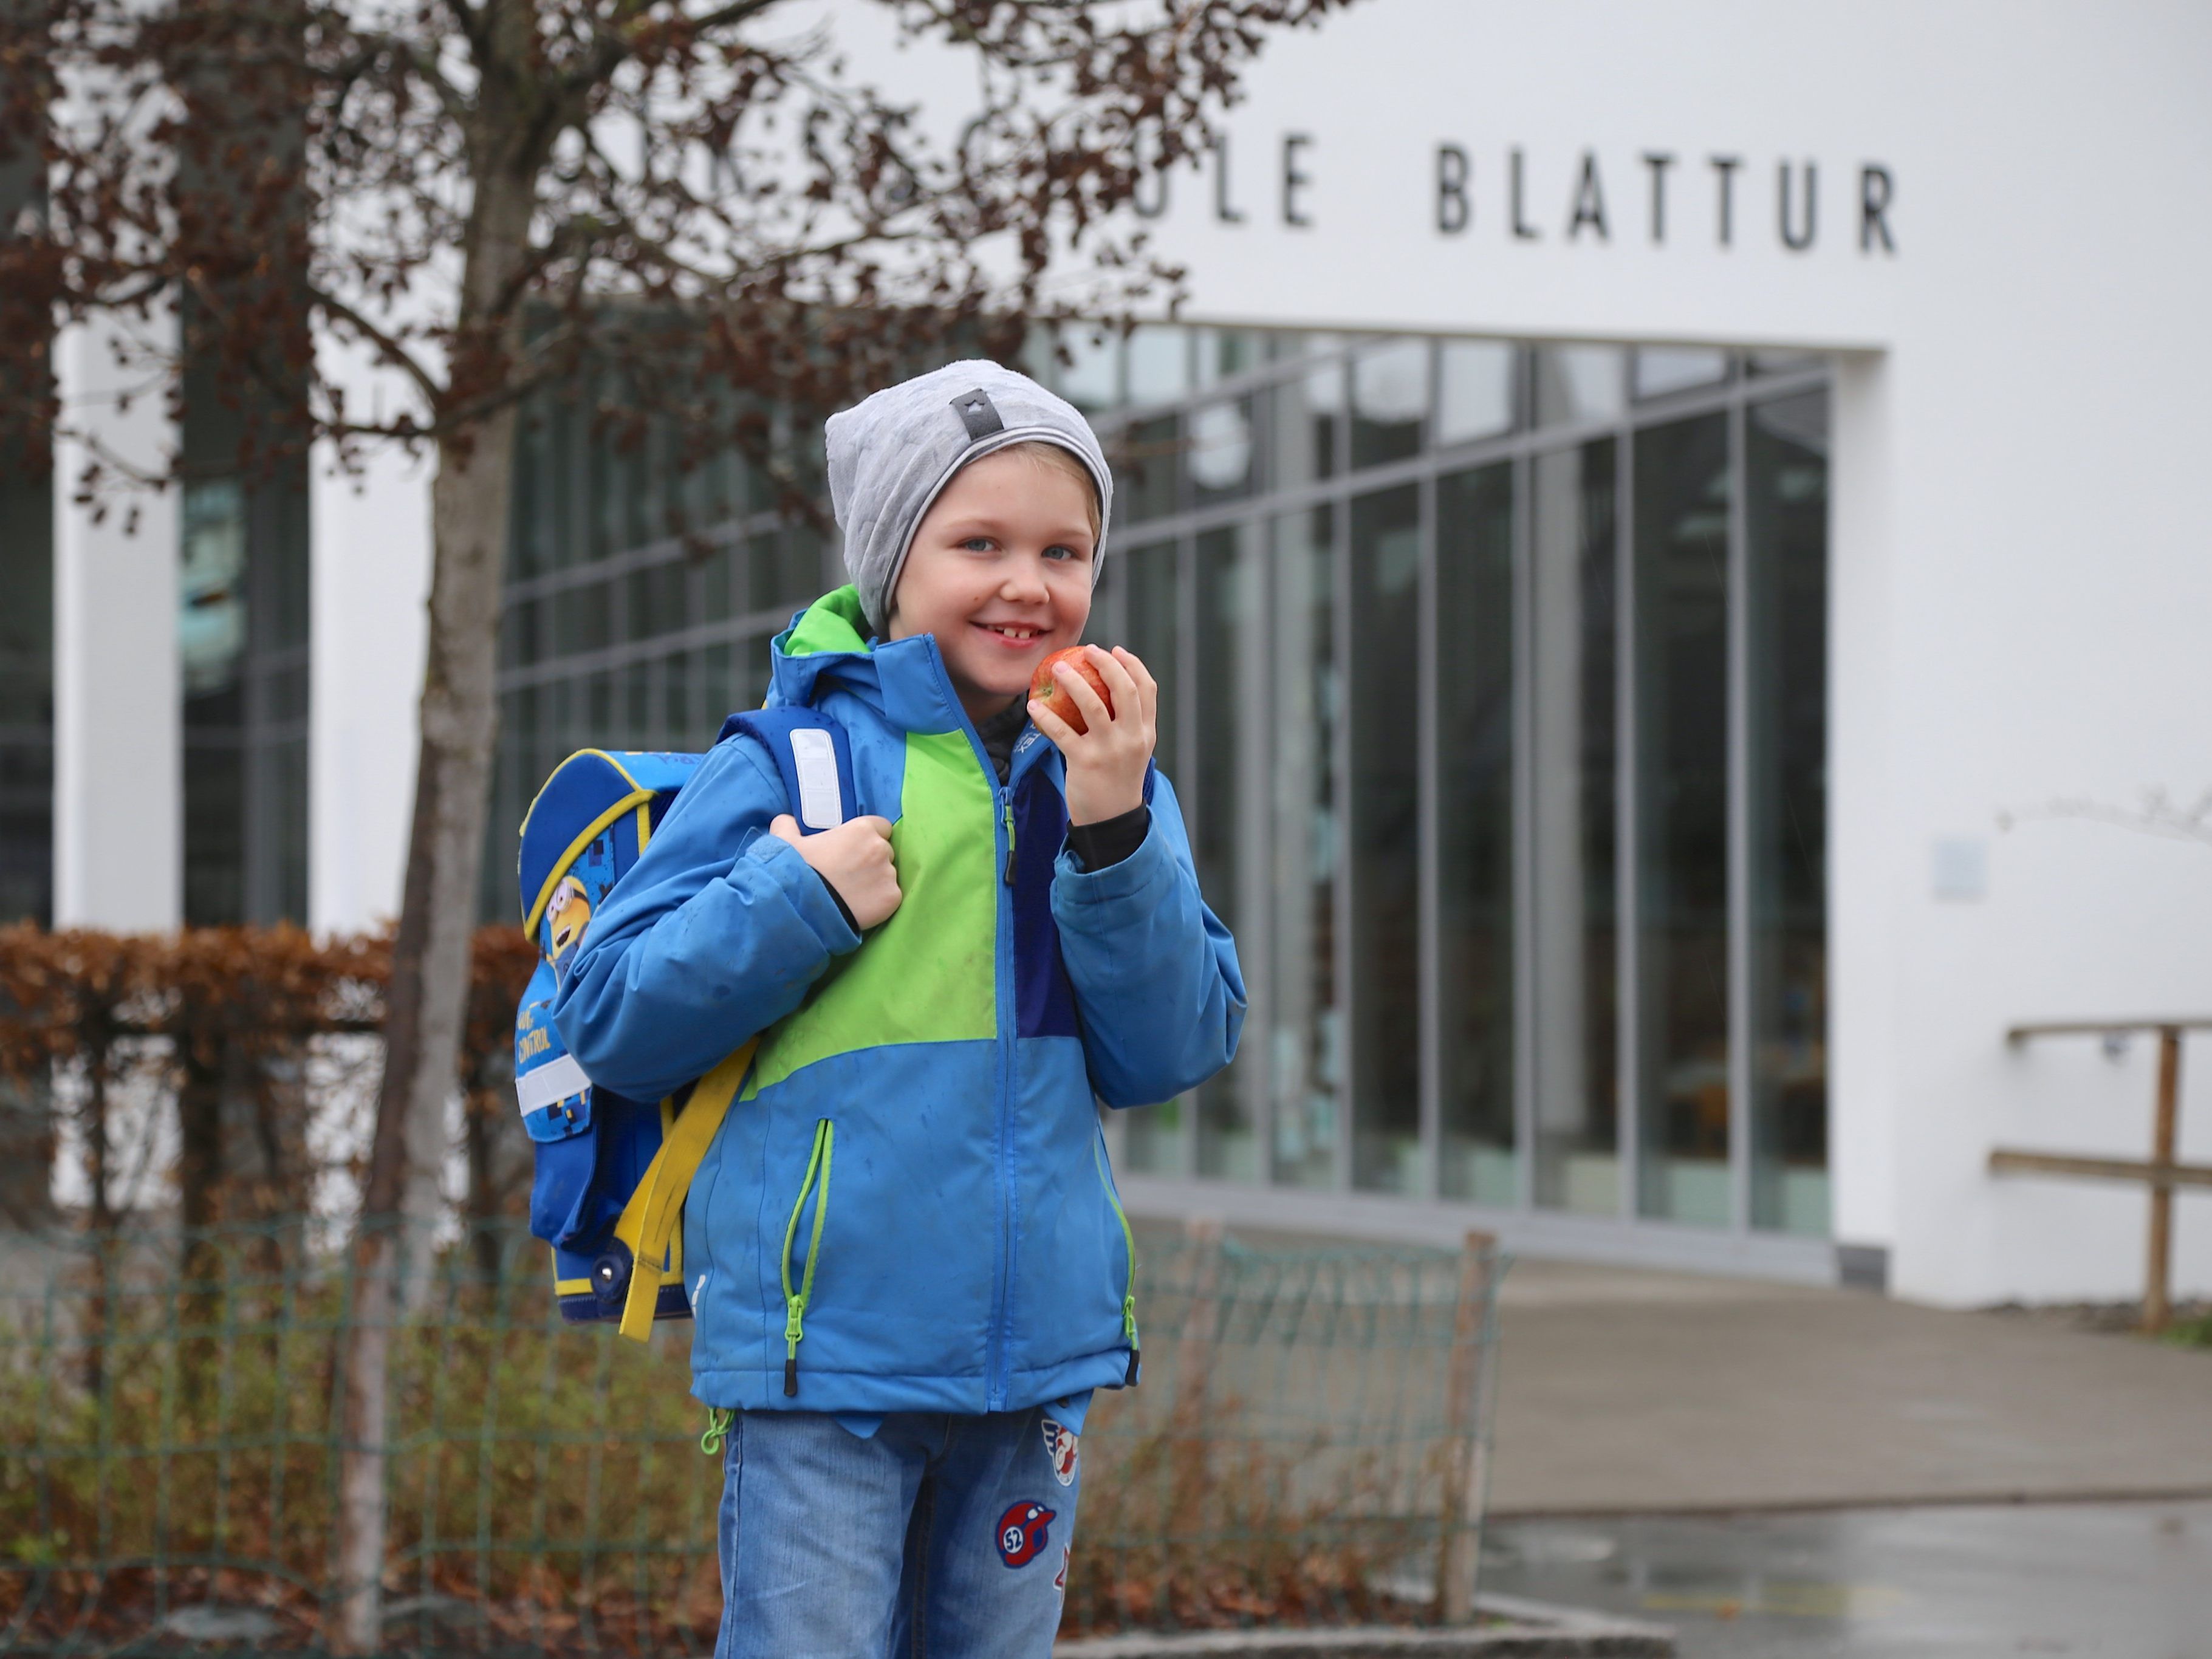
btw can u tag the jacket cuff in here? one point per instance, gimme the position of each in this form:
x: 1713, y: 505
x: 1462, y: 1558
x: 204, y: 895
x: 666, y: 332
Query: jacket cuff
x: 1150, y: 866
x: 1097, y: 846
x: 809, y: 892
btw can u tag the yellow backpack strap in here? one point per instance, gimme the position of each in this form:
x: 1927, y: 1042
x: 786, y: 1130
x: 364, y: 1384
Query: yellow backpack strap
x: 648, y: 1220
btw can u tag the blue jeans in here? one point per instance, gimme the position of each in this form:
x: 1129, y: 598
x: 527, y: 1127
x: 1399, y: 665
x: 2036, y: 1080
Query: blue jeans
x: 938, y: 1535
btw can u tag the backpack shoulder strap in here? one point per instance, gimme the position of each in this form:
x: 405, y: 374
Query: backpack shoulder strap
x: 813, y: 756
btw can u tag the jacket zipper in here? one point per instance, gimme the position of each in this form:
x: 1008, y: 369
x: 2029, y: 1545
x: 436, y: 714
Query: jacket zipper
x: 1129, y: 1245
x: 1003, y: 977
x: 794, y: 1302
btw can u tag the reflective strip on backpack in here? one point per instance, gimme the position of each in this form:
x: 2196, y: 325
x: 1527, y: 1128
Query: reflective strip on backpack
x: 814, y: 758
x: 555, y: 1080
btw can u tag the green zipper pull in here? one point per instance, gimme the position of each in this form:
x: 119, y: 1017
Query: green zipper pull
x: 1009, y: 840
x: 719, y: 1419
x: 1129, y: 1331
x: 795, y: 1301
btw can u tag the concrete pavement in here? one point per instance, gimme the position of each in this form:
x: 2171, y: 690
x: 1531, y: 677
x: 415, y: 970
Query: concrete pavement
x: 1631, y: 1392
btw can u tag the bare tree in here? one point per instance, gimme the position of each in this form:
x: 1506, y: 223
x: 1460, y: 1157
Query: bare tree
x: 485, y: 200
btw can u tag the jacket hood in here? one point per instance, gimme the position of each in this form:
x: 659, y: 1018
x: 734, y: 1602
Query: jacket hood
x: 829, y: 644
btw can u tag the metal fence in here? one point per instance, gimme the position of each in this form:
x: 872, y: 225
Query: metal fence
x: 1307, y: 1445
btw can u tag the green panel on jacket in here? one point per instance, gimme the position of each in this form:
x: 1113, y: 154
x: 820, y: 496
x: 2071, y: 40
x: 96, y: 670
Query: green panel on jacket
x: 928, y: 975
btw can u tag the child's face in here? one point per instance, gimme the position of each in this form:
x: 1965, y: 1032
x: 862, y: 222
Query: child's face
x: 1000, y: 573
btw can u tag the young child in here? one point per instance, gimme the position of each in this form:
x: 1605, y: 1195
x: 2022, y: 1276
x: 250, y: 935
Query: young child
x: 904, y: 1251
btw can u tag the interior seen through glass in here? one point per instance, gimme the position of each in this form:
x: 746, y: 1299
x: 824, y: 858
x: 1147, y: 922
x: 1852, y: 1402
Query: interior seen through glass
x: 1492, y: 687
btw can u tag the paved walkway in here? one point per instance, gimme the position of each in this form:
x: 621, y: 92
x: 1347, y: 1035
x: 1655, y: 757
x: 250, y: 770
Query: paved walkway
x: 2129, y: 1581
x: 1629, y: 1392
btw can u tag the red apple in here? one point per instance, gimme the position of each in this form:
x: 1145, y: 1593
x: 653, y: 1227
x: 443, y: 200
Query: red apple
x: 1046, y: 690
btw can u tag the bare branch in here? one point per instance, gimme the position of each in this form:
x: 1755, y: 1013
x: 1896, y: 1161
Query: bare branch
x: 2158, y: 814
x: 392, y: 351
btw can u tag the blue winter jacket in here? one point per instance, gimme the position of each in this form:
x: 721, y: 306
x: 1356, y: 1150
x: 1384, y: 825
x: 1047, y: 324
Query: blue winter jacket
x: 909, y: 1206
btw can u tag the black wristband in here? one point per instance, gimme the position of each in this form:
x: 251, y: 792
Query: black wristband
x: 1102, y: 845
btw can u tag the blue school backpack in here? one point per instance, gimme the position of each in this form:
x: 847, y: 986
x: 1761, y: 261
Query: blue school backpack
x: 610, y: 1174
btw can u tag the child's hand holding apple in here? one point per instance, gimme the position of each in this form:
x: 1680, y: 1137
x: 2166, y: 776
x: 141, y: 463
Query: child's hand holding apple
x: 1101, y: 707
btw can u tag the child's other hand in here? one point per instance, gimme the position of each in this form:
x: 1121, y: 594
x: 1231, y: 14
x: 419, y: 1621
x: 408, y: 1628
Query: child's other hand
x: 1106, y: 764
x: 855, y: 859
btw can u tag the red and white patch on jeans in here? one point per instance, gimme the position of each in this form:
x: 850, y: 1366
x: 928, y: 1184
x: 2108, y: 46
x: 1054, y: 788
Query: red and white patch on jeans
x: 1060, y: 1579
x: 1059, y: 1451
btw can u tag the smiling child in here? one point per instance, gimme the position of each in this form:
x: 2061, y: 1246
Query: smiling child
x: 944, y: 986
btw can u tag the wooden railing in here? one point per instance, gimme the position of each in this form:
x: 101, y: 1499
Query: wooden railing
x: 2161, y: 1174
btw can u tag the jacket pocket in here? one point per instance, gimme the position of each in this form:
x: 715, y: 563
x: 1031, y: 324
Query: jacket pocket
x: 1129, y: 1247
x: 817, y: 1186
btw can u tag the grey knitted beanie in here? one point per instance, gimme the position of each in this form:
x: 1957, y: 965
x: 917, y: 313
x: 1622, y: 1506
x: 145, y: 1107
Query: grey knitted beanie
x: 893, y: 453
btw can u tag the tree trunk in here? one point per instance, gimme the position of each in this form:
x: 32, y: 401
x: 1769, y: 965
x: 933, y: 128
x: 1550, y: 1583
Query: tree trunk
x: 427, y: 998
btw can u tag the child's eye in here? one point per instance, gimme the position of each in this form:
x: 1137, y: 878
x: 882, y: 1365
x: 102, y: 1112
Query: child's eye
x: 1060, y: 550
x: 977, y: 544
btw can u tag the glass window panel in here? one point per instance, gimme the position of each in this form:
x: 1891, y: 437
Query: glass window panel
x: 1221, y: 451
x: 1092, y: 378
x: 580, y: 620
x: 527, y: 618
x: 527, y: 556
x: 565, y: 484
x: 1227, y: 704
x: 1780, y: 362
x: 1386, y: 597
x: 1474, y: 393
x: 680, y: 728
x: 1662, y: 369
x: 1159, y: 363
x: 1474, y: 816
x: 287, y: 694
x: 1681, y: 769
x: 809, y: 556
x: 1147, y: 469
x: 1305, y: 700
x: 1390, y: 402
x: 214, y: 812
x: 283, y: 546
x: 211, y: 616
x: 1786, y: 505
x: 784, y: 566
x: 598, y: 712
x: 604, y: 491
x: 285, y: 829
x: 1305, y: 414
x: 638, y: 730
x: 1225, y: 352
x: 561, y: 727
x: 1287, y: 346
x: 720, y: 583
x: 1152, y: 608
x: 672, y: 601
x: 1577, y: 383
x: 718, y: 689
x: 755, y: 665
x: 1574, y: 905
x: 642, y: 515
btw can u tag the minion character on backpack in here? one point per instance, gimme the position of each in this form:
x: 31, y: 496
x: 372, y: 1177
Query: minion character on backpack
x: 594, y: 816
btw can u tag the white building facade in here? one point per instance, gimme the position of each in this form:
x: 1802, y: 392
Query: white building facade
x: 1677, y: 528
